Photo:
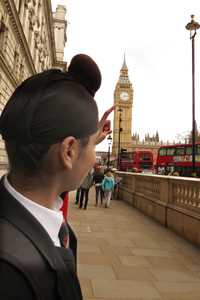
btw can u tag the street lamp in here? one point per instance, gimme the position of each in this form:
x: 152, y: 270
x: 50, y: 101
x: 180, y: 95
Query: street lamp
x: 109, y: 144
x: 120, y: 129
x: 193, y: 27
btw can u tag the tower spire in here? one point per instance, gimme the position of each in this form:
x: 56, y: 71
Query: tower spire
x: 124, y: 78
x: 124, y: 66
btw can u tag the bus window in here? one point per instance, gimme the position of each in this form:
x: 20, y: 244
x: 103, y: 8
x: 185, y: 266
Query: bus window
x: 180, y: 150
x: 181, y: 170
x: 171, y: 170
x: 197, y: 149
x: 170, y: 151
x: 189, y: 150
x: 144, y: 154
x: 162, y: 152
x: 188, y: 171
x: 198, y: 171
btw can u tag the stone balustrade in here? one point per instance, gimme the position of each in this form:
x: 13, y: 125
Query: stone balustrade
x: 172, y: 201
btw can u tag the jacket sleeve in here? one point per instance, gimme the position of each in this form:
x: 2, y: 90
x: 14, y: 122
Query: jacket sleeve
x: 103, y: 183
x: 91, y: 179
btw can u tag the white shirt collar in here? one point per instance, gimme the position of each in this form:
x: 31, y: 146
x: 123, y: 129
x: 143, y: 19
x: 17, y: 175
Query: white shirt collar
x: 51, y: 220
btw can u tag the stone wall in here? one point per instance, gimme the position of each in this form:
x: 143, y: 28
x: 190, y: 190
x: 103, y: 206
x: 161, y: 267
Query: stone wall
x: 174, y: 202
x: 31, y: 40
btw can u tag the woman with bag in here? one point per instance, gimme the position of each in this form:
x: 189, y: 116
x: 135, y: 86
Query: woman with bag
x: 98, y: 178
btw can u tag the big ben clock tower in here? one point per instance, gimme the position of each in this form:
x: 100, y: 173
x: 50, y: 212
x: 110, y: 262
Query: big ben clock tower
x: 123, y: 98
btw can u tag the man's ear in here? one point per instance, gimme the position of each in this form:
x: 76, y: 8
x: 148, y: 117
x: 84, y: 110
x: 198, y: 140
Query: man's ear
x: 67, y: 151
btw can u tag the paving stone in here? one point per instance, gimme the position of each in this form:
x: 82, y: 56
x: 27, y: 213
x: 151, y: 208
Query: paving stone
x: 133, y: 273
x: 195, y: 269
x: 174, y: 275
x: 93, y: 241
x: 119, y: 243
x: 124, y: 288
x: 169, y: 247
x: 165, y: 262
x: 88, y: 248
x: 136, y: 261
x: 147, y: 244
x: 150, y: 252
x: 178, y: 291
x: 86, y: 287
x: 96, y: 272
x: 184, y: 259
x: 115, y: 250
x: 102, y: 259
x: 98, y: 235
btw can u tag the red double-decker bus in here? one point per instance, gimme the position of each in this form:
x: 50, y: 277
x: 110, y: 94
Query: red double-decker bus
x: 140, y: 159
x: 178, y: 158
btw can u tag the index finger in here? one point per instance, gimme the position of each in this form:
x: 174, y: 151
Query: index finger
x: 106, y: 114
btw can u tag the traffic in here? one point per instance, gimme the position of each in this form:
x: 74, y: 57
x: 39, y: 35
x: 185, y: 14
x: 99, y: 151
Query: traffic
x: 174, y: 160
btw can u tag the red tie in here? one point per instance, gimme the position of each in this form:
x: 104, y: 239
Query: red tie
x: 64, y: 235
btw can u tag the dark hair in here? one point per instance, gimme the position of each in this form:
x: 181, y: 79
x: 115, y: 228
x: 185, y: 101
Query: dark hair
x: 98, y: 176
x: 84, y: 142
x: 98, y: 173
x: 27, y: 157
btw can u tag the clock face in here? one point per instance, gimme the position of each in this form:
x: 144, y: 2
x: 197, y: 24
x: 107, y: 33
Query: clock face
x: 124, y: 96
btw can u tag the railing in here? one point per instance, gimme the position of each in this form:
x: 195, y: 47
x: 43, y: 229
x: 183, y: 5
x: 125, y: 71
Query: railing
x: 188, y: 196
x: 149, y: 187
x: 172, y: 201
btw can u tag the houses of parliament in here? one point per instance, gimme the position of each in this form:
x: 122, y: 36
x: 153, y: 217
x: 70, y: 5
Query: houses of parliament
x: 32, y: 39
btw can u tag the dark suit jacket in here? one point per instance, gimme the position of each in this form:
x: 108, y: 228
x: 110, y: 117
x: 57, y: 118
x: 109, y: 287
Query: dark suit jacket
x: 31, y: 267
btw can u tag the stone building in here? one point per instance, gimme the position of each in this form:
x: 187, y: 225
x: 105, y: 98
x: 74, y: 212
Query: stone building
x: 32, y: 39
x: 149, y: 143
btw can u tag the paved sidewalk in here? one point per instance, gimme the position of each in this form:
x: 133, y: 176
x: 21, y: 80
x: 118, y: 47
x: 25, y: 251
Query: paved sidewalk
x: 123, y: 254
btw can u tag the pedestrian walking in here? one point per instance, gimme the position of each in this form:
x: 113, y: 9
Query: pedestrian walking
x: 85, y: 187
x: 78, y: 191
x: 107, y: 186
x: 98, y: 178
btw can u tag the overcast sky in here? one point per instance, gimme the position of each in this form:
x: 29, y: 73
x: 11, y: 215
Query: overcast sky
x: 158, y: 55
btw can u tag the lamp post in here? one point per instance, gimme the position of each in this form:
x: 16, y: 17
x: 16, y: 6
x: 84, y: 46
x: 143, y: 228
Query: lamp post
x: 109, y: 144
x: 120, y: 129
x: 193, y: 27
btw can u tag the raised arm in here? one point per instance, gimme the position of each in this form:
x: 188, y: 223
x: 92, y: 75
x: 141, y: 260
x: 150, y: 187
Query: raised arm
x: 105, y: 125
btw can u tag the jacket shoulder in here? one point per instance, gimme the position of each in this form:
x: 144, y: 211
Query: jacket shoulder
x: 18, y: 269
x: 13, y: 283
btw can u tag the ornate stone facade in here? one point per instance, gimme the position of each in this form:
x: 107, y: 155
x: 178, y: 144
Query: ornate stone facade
x: 32, y: 40
x: 149, y: 143
x: 123, y: 98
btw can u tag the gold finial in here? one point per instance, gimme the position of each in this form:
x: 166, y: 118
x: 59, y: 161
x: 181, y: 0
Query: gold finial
x: 192, y: 17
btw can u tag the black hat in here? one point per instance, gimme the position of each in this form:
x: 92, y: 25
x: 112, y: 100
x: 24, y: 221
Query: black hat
x: 52, y: 105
